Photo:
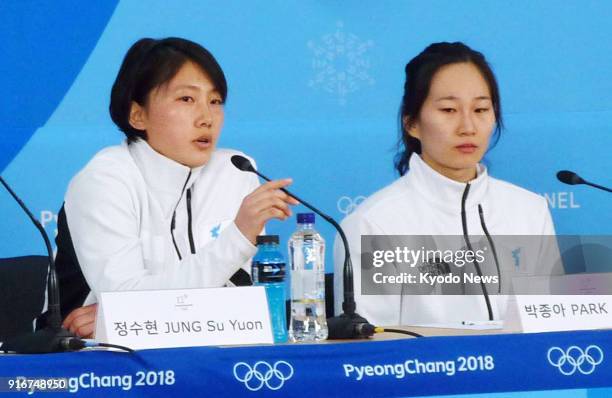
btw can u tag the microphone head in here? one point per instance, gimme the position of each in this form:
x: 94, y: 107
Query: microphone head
x: 569, y: 177
x: 242, y: 163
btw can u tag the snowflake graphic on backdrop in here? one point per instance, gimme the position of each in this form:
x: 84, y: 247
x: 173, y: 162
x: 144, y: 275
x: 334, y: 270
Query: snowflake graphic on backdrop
x: 340, y: 63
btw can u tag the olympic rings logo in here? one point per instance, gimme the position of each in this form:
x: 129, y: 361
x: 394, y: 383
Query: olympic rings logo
x: 262, y: 373
x: 346, y: 205
x: 574, y: 358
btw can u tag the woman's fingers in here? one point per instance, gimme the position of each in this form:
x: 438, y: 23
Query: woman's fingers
x: 82, y: 320
x: 264, y: 203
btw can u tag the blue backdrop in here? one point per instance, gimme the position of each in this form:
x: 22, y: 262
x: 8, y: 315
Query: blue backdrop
x: 314, y: 91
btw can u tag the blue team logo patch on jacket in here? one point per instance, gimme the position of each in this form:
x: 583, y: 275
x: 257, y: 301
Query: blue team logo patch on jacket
x: 214, y: 231
x: 516, y: 255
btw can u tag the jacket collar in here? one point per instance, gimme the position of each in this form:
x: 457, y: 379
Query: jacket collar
x: 165, y: 178
x: 442, y: 191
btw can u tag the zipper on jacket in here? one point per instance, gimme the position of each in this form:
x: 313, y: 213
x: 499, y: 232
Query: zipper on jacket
x: 189, y: 229
x: 490, y: 240
x: 172, y: 226
x: 466, y: 238
x: 173, y: 222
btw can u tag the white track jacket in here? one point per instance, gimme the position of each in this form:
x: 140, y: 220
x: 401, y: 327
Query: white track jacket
x: 424, y: 202
x: 141, y: 221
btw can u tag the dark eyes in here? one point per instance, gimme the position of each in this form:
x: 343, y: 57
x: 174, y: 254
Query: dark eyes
x: 453, y: 110
x: 189, y: 99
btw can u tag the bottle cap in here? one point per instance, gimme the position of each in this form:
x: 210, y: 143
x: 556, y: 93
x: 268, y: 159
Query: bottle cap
x: 263, y: 239
x: 305, y: 218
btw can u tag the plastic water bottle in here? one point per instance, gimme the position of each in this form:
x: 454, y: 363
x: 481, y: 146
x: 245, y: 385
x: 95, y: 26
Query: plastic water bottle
x: 268, y: 270
x: 307, y: 256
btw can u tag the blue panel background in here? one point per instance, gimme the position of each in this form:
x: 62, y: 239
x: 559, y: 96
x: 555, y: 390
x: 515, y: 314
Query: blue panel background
x: 314, y: 91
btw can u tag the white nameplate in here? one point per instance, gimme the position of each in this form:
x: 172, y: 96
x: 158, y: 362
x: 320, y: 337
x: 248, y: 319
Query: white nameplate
x: 184, y: 318
x: 548, y: 313
x: 563, y: 302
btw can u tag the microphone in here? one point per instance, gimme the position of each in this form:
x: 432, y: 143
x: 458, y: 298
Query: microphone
x: 53, y: 338
x: 571, y: 178
x: 348, y: 325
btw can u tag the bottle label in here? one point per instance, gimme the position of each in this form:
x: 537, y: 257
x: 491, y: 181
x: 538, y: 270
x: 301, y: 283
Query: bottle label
x: 268, y: 272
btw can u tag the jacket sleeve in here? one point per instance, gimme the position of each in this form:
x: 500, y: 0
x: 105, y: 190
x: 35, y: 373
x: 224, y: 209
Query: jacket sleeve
x: 253, y: 185
x: 103, y: 213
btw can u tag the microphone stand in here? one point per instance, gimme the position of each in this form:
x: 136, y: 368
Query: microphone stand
x: 598, y: 186
x: 348, y: 325
x: 53, y: 338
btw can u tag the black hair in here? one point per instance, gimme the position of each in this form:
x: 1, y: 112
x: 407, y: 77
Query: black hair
x: 419, y: 74
x: 150, y: 63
